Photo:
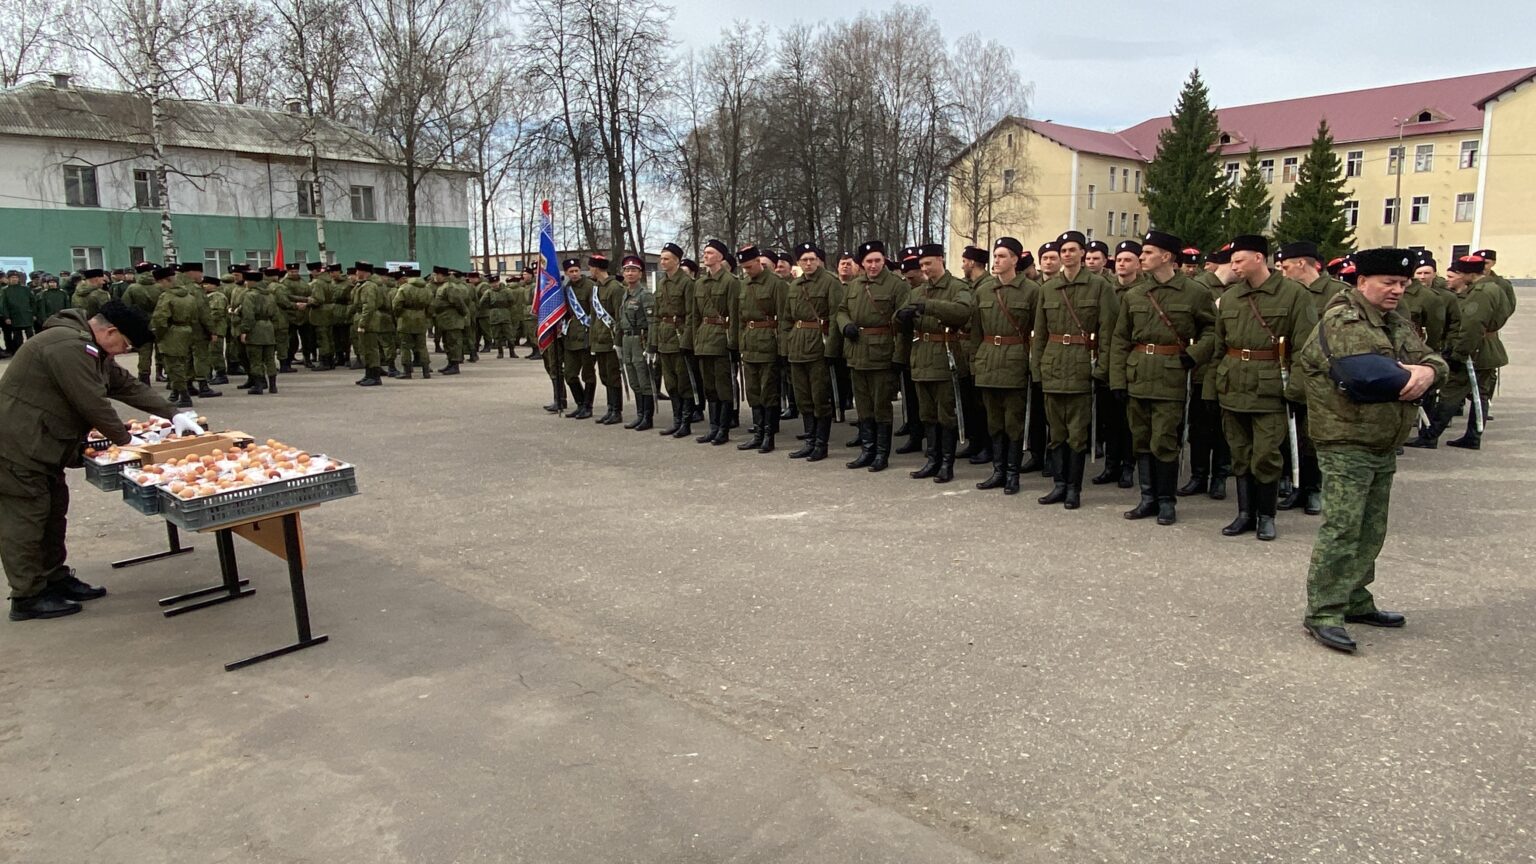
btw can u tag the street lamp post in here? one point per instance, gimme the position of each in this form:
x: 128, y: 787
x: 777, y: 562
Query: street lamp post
x: 1397, y: 199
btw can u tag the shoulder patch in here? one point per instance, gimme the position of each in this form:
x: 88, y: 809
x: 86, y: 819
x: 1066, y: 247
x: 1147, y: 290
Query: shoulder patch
x: 1349, y: 313
x: 93, y: 350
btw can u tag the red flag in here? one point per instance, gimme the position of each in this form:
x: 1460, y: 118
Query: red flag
x: 277, y: 256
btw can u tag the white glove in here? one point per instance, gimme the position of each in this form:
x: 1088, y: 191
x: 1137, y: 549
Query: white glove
x: 136, y: 441
x: 185, y: 423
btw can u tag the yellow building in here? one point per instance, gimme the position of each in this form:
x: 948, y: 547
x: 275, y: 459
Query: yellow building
x: 1457, y: 183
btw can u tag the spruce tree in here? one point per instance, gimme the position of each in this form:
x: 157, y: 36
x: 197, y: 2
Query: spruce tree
x: 1185, y: 193
x: 1251, y: 204
x: 1315, y: 208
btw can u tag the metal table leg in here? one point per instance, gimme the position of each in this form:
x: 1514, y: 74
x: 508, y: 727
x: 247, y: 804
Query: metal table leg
x: 176, y: 548
x: 300, y: 599
x: 232, y: 588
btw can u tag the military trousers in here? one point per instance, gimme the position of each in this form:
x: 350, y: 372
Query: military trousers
x: 341, y: 339
x: 1005, y: 410
x: 1154, y: 426
x: 1357, y: 484
x: 261, y: 360
x: 1256, y: 440
x: 873, y: 392
x: 389, y: 345
x: 282, y: 342
x: 1069, y: 415
x: 1208, y: 453
x: 324, y: 343
x: 636, y: 369
x: 413, y: 349
x: 178, y: 368
x: 760, y: 381
x: 936, y: 403
x: 1114, y: 424
x: 502, y: 335
x: 607, y: 363
x: 1310, y: 475
x: 715, y: 377
x: 1458, y: 387
x: 146, y: 360
x: 578, y: 365
x: 370, y: 348
x: 34, y: 512
x: 525, y: 331
x: 812, y: 383
x: 674, y: 374
x: 1037, y: 433
x: 453, y: 343
x: 553, y: 360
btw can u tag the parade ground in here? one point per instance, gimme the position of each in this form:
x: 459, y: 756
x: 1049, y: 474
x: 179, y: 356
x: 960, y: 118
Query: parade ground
x: 562, y: 643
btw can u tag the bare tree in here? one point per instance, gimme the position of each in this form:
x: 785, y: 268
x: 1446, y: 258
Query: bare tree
x: 31, y: 28
x: 990, y: 178
x: 235, y: 55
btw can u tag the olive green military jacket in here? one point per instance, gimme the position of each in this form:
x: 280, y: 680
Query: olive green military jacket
x: 391, y: 287
x: 372, y: 303
x: 1507, y: 287
x: 482, y: 292
x: 1484, y: 311
x: 143, y: 295
x: 16, y: 304
x: 610, y: 294
x: 870, y: 305
x: 218, y: 311
x: 55, y: 390
x: 757, y: 317
x: 1212, y: 283
x: 709, y: 315
x: 810, y: 302
x: 1001, y: 323
x: 636, y: 312
x: 410, y: 304
x: 1425, y: 308
x: 499, y: 300
x: 673, y: 300
x: 450, y: 307
x: 1253, y: 386
x: 259, y: 315
x: 49, y: 302
x: 902, y: 355
x: 522, y: 302
x: 578, y: 294
x: 293, y: 289
x: 1452, y: 311
x: 1144, y: 372
x: 1354, y: 326
x: 972, y: 340
x: 1323, y: 289
x: 181, y: 320
x: 1081, y: 309
x: 937, y: 334
x: 322, y: 300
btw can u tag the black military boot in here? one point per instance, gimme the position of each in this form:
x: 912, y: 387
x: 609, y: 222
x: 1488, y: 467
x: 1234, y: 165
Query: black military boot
x: 647, y: 422
x: 44, y: 605
x: 932, y: 451
x: 1077, y: 460
x: 713, y: 410
x: 1471, y: 439
x: 822, y: 434
x: 181, y: 399
x: 1165, y: 477
x: 1293, y: 498
x: 218, y: 378
x: 326, y: 364
x: 537, y: 354
x: 859, y: 440
x: 206, y: 392
x: 1056, y: 463
x: 1264, y: 495
x: 696, y: 409
x: 999, y: 463
x: 1313, y: 504
x: 614, y: 410
x: 144, y: 377
x: 1110, y: 474
x: 272, y: 384
x: 759, y: 423
x: 978, y: 451
x: 584, y: 402
x: 684, y: 419
x: 916, y: 435
x: 949, y: 440
x: 771, y: 420
x: 501, y: 353
x: 639, y: 412
x: 723, y: 419
x: 1199, y: 481
x: 453, y: 369
x: 553, y: 407
x: 866, y: 445
x: 882, y: 458
x: 1014, y: 466
x: 160, y: 376
x: 407, y: 372
x: 1147, y: 506
x: 1035, y: 461
x: 250, y: 381
x: 809, y: 422
x: 260, y: 386
x: 1245, y: 520
x: 676, y: 418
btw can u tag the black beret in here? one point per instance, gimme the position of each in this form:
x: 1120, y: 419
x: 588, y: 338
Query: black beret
x: 1072, y: 237
x: 690, y: 265
x: 1130, y: 246
x: 719, y: 246
x: 1426, y: 260
x: 162, y: 273
x: 1165, y: 241
x: 1298, y: 249
x: 812, y: 248
x: 1384, y: 261
x: 1250, y: 243
x: 315, y: 266
x: 748, y: 252
x: 241, y: 268
x: 130, y: 321
x: 92, y: 273
x: 911, y: 264
x: 598, y: 260
x: 932, y: 250
x: 868, y: 248
x: 1011, y: 244
x: 1190, y: 255
x: 1487, y: 254
x: 1097, y: 246
x: 569, y: 263
x: 675, y: 249
x: 143, y: 267
x: 1049, y: 246
x: 1468, y: 264
x: 271, y: 271
x: 1221, y: 256
x: 978, y: 255
x: 633, y: 261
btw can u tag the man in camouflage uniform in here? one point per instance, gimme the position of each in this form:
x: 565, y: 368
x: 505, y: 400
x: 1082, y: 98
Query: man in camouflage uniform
x: 671, y: 340
x: 1356, y: 441
x: 411, y: 305
x: 810, y: 303
x: 1002, y: 321
x: 480, y: 323
x: 714, y: 293
x: 368, y: 322
x: 451, y: 311
x: 218, y: 312
x: 501, y: 298
x: 1483, y: 311
x: 757, y: 332
x: 260, y: 317
x: 144, y: 295
x: 181, y: 321
x: 935, y: 320
x: 867, y: 320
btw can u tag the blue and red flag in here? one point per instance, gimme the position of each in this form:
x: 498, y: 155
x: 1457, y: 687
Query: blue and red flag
x: 549, y: 299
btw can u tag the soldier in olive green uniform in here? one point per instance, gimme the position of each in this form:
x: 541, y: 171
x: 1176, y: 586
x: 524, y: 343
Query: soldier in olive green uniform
x: 1001, y: 323
x: 1506, y: 287
x: 1357, y: 440
x: 1423, y: 306
x: 181, y: 321
x: 500, y: 299
x: 810, y: 301
x: 1072, y: 328
x: 1483, y: 310
x: 49, y: 302
x: 411, y: 304
x: 1164, y: 329
x: 322, y: 304
x: 1209, y: 456
x: 1263, y: 316
x: 709, y: 322
x: 292, y: 295
x: 910, y: 267
x: 867, y: 319
x: 635, y: 321
x: 522, y: 317
x: 260, y: 317
x: 576, y: 332
x: 234, y: 282
x: 937, y: 316
x: 368, y: 319
x: 144, y: 295
x: 671, y: 340
x: 975, y: 267
x: 1302, y: 263
x: 90, y: 295
x: 218, y: 313
x: 16, y: 311
x: 480, y: 324
x: 451, y: 313
x: 756, y: 329
x: 604, y: 300
x: 390, y: 336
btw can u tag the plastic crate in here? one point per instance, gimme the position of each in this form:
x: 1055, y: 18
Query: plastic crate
x: 145, y: 499
x: 239, y: 505
x: 107, y: 478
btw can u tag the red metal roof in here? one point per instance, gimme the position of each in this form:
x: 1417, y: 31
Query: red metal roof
x: 1089, y: 140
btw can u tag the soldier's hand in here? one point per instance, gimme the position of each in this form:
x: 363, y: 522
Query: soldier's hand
x: 1187, y: 361
x: 851, y: 332
x: 905, y: 315
x: 1420, y: 379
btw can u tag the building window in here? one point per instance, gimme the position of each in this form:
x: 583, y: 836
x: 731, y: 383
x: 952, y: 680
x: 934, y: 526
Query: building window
x: 309, y: 198
x: 1111, y: 179
x: 1460, y: 250
x: 1389, y: 212
x: 86, y: 257
x: 1423, y: 158
x: 1234, y: 170
x: 1089, y: 235
x: 1125, y: 179
x: 1354, y: 163
x: 297, y: 256
x: 137, y: 254
x: 216, y: 261
x: 1352, y: 213
x: 1469, y: 153
x: 362, y: 203
x: 1464, y: 207
x: 1008, y: 175
x: 1010, y: 140
x: 258, y: 257
x: 1091, y: 190
x: 1394, y: 160
x: 1289, y: 170
x: 330, y: 257
x: 1418, y: 210
x: 1123, y: 214
x: 1267, y: 170
x: 1136, y: 225
x: 1109, y: 226
x: 1138, y: 182
x: 80, y: 187
x: 146, y: 189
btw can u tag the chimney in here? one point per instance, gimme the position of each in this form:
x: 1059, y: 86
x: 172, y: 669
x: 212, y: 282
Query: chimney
x: 61, y: 80
x: 293, y: 105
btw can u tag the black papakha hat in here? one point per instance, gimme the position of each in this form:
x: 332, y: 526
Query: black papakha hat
x: 1384, y: 261
x: 1250, y: 243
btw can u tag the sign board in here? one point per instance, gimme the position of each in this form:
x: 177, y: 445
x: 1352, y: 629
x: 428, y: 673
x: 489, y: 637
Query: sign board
x: 8, y: 262
x: 397, y: 265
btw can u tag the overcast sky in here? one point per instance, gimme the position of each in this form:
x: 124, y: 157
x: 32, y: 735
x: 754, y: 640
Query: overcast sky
x: 1115, y: 64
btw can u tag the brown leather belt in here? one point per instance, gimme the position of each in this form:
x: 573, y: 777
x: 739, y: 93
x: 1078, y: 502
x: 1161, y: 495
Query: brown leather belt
x: 716, y: 320
x: 936, y: 337
x: 811, y: 325
x: 1003, y: 340
x: 1068, y: 339
x: 762, y: 325
x: 1246, y: 354
x: 1161, y: 350
x: 670, y: 319
x: 874, y: 331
